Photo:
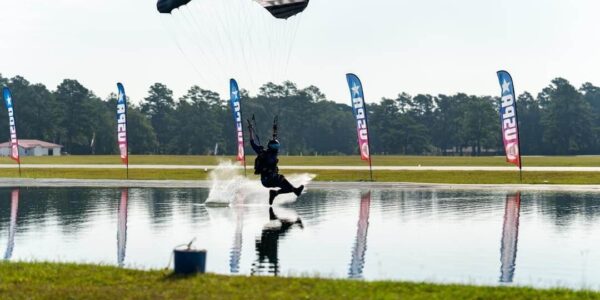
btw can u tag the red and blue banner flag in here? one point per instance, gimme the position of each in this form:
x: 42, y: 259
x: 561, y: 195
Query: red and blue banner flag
x: 236, y: 108
x: 509, y: 119
x: 14, y: 142
x: 122, y: 124
x: 360, y: 114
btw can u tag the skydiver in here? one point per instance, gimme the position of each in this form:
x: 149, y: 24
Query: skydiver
x: 266, y: 165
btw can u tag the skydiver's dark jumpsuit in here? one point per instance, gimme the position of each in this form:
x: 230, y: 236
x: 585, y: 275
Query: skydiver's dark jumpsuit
x: 269, y: 175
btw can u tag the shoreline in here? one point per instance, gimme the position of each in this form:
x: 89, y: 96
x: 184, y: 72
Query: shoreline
x: 307, y: 167
x: 192, y: 184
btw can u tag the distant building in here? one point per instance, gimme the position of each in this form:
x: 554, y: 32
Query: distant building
x: 32, y: 148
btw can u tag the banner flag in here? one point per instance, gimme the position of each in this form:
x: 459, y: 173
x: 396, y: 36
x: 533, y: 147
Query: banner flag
x: 122, y: 124
x: 236, y: 108
x: 360, y: 113
x: 14, y: 142
x: 509, y: 119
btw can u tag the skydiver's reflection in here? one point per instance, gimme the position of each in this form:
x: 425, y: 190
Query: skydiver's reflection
x: 122, y: 227
x: 14, y: 208
x: 360, y: 246
x: 510, y: 237
x: 267, y: 246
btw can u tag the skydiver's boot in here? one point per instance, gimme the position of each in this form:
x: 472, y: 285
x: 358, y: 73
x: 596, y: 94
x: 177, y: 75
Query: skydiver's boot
x: 299, y: 222
x: 272, y: 195
x: 298, y: 190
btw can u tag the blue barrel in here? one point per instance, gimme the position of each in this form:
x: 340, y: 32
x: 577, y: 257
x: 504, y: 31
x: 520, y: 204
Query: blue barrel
x: 190, y: 261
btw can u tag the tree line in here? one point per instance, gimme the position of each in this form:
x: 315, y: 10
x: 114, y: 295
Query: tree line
x: 559, y: 120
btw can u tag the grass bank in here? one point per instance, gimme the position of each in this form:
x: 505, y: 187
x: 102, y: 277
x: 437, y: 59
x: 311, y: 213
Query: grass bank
x: 451, y: 177
x: 538, y: 161
x: 68, y: 281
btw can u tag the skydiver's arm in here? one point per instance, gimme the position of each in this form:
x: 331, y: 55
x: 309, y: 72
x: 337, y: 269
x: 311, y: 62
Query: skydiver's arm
x: 251, y: 131
x: 258, y: 149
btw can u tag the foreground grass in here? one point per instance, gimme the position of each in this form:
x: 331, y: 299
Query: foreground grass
x: 68, y: 281
x: 450, y: 177
x: 540, y: 161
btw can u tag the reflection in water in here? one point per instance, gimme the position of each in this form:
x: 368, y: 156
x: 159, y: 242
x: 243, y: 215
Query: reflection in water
x: 122, y: 227
x: 360, y: 246
x: 268, y: 244
x: 235, y: 254
x: 14, y: 207
x: 510, y: 237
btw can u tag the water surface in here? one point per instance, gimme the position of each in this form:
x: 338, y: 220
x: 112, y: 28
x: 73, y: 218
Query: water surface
x: 529, y: 238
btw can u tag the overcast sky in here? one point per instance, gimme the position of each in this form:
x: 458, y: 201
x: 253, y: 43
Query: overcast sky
x: 418, y: 46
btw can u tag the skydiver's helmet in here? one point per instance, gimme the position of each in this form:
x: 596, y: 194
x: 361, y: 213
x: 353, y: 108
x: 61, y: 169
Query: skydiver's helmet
x: 273, y: 145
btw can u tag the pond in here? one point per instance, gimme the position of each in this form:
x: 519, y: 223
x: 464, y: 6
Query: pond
x: 543, y: 239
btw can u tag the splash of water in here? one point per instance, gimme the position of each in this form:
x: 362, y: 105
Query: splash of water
x: 230, y: 188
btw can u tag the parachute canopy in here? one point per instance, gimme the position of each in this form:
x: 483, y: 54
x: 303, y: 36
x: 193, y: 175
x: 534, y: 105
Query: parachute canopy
x: 167, y: 6
x: 281, y: 9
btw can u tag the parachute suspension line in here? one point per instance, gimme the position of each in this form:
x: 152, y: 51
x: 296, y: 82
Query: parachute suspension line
x: 271, y: 44
x: 242, y: 38
x: 227, y: 33
x: 235, y: 26
x: 272, y: 60
x: 198, y: 29
x: 245, y: 39
x: 277, y: 42
x: 184, y: 22
x: 172, y: 36
x: 292, y: 42
x: 204, y: 56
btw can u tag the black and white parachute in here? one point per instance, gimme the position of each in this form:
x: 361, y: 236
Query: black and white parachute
x: 281, y: 9
x: 249, y: 40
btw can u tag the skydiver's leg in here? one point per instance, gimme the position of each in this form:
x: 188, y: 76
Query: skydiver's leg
x: 272, y: 215
x: 285, y: 186
x: 270, y: 181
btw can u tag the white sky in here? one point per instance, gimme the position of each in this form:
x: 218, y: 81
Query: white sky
x: 417, y: 46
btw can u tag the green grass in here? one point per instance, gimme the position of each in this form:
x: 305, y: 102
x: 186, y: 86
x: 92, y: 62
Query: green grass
x: 575, y: 161
x: 462, y: 177
x: 451, y: 177
x: 68, y: 281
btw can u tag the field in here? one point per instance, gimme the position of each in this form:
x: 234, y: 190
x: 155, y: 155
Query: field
x: 451, y: 177
x: 558, y: 161
x: 67, y: 281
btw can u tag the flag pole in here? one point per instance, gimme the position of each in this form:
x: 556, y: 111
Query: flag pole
x: 19, y: 162
x: 370, y: 165
x: 126, y: 144
x: 518, y: 134
x: 126, y: 139
x: 368, y: 133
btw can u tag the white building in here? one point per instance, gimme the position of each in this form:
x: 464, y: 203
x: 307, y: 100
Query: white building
x: 32, y: 148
